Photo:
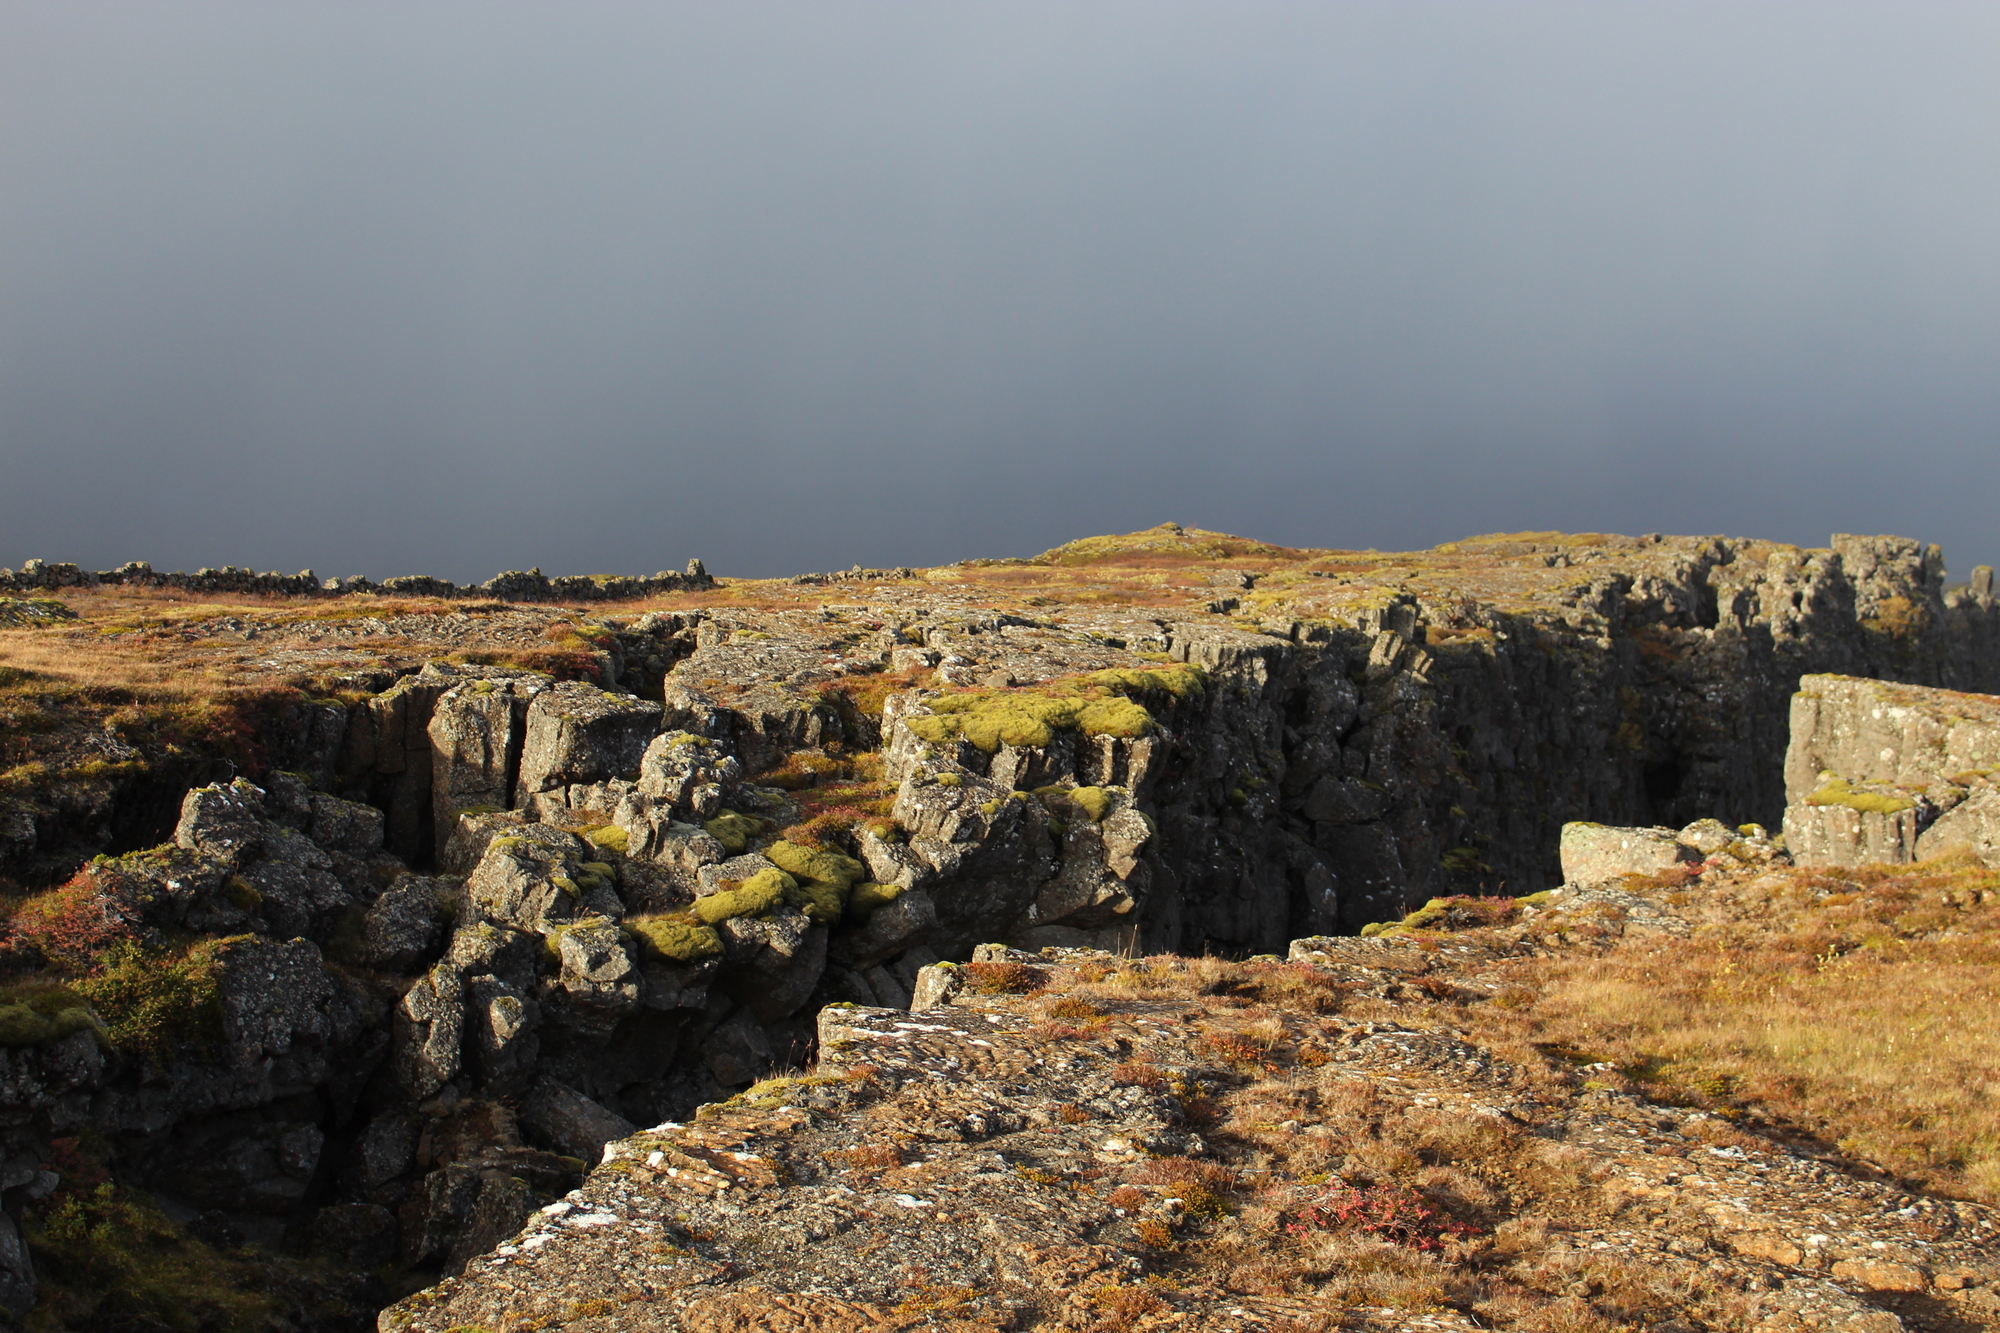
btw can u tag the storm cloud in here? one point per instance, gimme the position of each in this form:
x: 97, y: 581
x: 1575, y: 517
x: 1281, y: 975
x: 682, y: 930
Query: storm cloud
x: 436, y: 287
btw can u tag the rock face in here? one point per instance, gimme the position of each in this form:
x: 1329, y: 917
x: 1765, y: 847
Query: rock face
x: 496, y: 918
x: 1880, y: 772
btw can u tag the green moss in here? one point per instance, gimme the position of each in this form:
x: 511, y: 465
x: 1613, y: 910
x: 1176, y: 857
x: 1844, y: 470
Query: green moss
x: 1836, y: 791
x: 734, y: 831
x: 1096, y: 706
x: 243, y: 894
x: 611, y: 838
x: 810, y: 863
x: 869, y: 895
x: 820, y: 900
x: 106, y: 1243
x: 1093, y: 801
x: 158, y: 1003
x: 763, y: 892
x: 989, y: 808
x: 1182, y: 682
x: 676, y: 937
x: 567, y: 885
x: 950, y: 780
x: 1535, y: 899
x: 20, y: 1025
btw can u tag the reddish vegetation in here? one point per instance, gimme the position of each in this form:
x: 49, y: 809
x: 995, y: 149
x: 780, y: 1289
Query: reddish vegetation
x: 1383, y: 1210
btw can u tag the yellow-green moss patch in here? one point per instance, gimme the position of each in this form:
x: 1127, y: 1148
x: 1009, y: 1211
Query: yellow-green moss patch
x: 676, y: 937
x: 1837, y: 791
x: 755, y: 896
x: 869, y: 895
x: 611, y: 838
x: 734, y: 831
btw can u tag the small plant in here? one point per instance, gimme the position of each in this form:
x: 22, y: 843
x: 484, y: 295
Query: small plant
x: 1385, y: 1211
x: 1139, y: 1074
x: 1155, y: 1233
x: 868, y: 1160
x: 159, y: 1003
x: 1003, y: 978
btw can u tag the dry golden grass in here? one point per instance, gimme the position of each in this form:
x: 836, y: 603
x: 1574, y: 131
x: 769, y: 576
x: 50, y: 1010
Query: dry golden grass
x: 1858, y: 1010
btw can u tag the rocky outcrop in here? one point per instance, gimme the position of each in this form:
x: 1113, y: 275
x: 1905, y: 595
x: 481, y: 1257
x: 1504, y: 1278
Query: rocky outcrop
x: 512, y: 916
x: 1110, y: 1144
x: 512, y: 585
x: 1889, y: 773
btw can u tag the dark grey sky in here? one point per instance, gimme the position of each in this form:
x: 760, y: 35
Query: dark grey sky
x: 417, y: 286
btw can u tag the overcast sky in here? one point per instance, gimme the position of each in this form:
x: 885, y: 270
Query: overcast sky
x: 433, y: 287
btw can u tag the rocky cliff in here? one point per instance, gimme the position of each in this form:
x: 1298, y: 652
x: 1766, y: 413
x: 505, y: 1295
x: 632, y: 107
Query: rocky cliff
x: 461, y: 892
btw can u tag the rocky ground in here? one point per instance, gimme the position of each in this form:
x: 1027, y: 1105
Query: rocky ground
x: 345, y: 926
x: 1077, y: 1140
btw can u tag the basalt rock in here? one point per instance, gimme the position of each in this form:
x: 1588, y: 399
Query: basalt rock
x: 484, y: 887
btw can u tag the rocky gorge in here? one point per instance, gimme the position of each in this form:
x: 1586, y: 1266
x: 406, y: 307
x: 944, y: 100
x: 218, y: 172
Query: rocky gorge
x: 484, y: 883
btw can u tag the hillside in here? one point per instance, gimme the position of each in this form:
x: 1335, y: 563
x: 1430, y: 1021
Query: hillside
x: 348, y: 923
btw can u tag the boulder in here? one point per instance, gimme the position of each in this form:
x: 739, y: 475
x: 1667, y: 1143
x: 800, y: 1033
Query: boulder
x: 711, y: 878
x: 598, y: 970
x: 1971, y: 827
x: 384, y: 1151
x: 937, y: 985
x: 536, y: 878
x: 471, y: 832
x: 579, y: 733
x: 772, y: 964
x: 405, y: 927
x: 1709, y: 836
x: 1841, y: 834
x: 277, y: 995
x: 477, y: 730
x: 570, y: 1122
x: 889, y: 929
x: 226, y: 822
x: 501, y: 1043
x: 1598, y: 853
x: 346, y: 826
x: 430, y: 1030
x: 688, y: 772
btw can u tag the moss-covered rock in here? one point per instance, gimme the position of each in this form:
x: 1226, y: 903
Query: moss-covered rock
x: 610, y: 837
x: 735, y: 831
x: 1838, y: 791
x: 763, y: 892
x: 869, y: 895
x: 678, y: 937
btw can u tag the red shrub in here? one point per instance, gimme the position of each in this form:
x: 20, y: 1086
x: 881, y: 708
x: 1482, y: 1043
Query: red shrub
x: 1386, y: 1211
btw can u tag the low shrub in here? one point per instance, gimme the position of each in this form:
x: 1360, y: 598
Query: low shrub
x: 1385, y: 1211
x: 159, y: 1003
x: 1003, y: 978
